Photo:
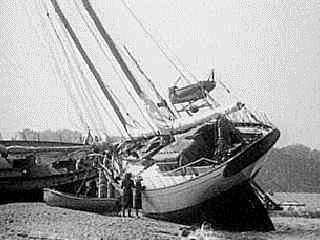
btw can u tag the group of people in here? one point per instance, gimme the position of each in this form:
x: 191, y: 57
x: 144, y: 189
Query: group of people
x: 127, y: 185
x: 128, y: 199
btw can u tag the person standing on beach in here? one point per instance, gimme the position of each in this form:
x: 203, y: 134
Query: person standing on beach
x: 92, y: 189
x: 137, y: 199
x: 3, y: 158
x: 127, y: 198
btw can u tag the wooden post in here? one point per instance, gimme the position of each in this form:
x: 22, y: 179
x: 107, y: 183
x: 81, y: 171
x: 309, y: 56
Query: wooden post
x: 102, y: 190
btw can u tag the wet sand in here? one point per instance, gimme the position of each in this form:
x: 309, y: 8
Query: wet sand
x: 39, y: 221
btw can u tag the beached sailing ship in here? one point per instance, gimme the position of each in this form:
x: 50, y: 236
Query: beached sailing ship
x: 192, y: 147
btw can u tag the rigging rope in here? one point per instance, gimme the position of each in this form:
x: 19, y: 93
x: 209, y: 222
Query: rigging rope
x: 93, y: 93
x: 72, y: 73
x: 35, y: 29
x: 246, y: 108
x: 154, y: 41
x: 153, y: 111
x: 89, y: 63
x: 160, y: 98
x: 111, y: 44
x: 57, y: 68
x: 115, y: 70
x: 166, y: 55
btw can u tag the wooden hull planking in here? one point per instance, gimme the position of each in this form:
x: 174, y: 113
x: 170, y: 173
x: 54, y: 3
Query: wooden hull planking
x: 60, y: 199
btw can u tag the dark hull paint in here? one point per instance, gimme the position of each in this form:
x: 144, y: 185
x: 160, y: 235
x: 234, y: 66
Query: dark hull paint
x: 237, y: 209
x: 252, y: 154
x: 16, y: 186
x: 19, y: 184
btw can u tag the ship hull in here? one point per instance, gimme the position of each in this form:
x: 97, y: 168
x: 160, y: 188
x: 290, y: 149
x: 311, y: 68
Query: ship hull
x: 29, y: 183
x: 184, y: 201
x: 53, y: 165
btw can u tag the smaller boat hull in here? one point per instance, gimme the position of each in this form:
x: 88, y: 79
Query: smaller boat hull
x: 59, y: 199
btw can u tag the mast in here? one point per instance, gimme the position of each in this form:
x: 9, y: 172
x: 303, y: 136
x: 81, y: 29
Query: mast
x: 111, y: 44
x: 152, y: 109
x: 88, y: 61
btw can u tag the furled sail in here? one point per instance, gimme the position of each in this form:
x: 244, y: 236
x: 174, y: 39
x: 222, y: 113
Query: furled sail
x: 192, y: 121
x: 182, y: 125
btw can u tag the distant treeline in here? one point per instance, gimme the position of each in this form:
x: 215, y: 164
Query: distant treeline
x: 295, y: 168
x: 62, y: 135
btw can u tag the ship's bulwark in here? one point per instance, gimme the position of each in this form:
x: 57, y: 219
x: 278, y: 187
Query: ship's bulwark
x: 238, y: 209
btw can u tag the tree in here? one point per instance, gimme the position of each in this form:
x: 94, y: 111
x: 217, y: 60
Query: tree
x: 28, y: 134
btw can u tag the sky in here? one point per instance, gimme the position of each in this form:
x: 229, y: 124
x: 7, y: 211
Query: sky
x: 267, y: 52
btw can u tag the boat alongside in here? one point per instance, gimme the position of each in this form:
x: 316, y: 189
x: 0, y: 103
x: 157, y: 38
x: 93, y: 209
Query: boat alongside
x: 56, y: 198
x: 31, y: 166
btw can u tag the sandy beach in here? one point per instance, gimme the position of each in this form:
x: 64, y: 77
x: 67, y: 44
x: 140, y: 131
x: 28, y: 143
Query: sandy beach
x: 39, y: 221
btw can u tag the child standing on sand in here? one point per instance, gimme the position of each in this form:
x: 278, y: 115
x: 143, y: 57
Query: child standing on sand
x: 137, y: 199
x: 127, y: 198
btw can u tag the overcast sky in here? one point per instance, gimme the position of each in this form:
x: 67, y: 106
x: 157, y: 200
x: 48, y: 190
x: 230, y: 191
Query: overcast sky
x: 268, y: 52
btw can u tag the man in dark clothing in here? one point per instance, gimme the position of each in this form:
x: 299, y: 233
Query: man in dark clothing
x: 138, y: 199
x: 230, y: 134
x: 206, y: 141
x: 127, y: 198
x: 203, y: 144
x: 91, y: 191
x: 3, y: 157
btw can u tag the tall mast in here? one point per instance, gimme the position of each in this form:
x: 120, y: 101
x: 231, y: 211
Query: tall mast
x: 89, y: 63
x: 111, y: 44
x: 153, y: 109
